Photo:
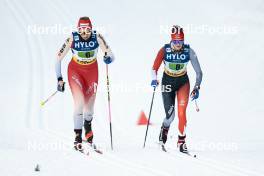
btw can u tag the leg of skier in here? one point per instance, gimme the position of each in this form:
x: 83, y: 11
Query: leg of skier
x: 88, y: 116
x: 182, y: 99
x: 89, y: 100
x: 168, y: 97
x: 76, y: 84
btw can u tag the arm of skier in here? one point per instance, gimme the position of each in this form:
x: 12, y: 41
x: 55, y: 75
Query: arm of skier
x: 199, y: 74
x: 156, y: 66
x: 108, y: 55
x: 60, y: 55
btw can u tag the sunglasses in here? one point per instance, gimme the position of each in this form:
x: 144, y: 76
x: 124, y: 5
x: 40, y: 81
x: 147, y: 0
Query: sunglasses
x: 177, y: 42
x: 85, y: 30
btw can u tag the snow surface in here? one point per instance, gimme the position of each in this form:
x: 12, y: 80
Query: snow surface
x: 226, y: 135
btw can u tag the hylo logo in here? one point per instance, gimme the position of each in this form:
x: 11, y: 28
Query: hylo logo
x: 176, y: 56
x: 84, y: 44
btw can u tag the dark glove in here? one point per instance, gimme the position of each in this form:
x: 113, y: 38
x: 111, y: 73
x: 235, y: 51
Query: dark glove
x: 154, y: 83
x: 108, y: 59
x: 195, y: 93
x: 61, y: 85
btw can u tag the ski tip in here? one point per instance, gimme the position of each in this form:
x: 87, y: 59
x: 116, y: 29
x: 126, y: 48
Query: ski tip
x: 192, y: 155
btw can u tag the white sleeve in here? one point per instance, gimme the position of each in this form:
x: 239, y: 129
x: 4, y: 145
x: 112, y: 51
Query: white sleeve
x: 105, y: 47
x: 196, y: 67
x: 61, y: 54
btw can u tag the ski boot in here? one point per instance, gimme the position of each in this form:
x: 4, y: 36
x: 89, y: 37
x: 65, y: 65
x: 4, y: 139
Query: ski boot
x: 78, y: 140
x: 88, y: 131
x: 181, y: 144
x: 163, y: 135
x: 89, y: 136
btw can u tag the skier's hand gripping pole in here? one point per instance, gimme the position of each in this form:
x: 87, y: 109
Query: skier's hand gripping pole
x: 109, y: 105
x: 195, y: 95
x: 154, y: 90
x: 42, y: 103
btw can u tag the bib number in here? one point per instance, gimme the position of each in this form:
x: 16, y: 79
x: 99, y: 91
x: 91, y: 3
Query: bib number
x: 176, y: 67
x: 86, y: 54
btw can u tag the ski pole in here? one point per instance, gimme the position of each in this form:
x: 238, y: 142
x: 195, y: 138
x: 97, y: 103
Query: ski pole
x: 149, y: 116
x: 196, y: 105
x: 42, y: 103
x: 109, y: 105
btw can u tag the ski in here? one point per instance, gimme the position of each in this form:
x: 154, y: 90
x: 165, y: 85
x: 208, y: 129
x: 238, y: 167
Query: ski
x: 189, y: 154
x: 163, y: 148
x: 86, y: 153
x: 186, y: 154
x: 93, y: 147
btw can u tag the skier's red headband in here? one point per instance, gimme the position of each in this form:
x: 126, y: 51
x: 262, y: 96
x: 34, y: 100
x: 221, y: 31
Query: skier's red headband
x: 85, y: 24
x: 177, y: 33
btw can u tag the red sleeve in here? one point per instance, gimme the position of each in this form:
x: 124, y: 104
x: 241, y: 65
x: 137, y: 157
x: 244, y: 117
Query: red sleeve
x: 159, y: 59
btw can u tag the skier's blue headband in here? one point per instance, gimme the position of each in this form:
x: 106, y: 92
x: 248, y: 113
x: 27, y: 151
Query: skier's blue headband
x: 175, y: 42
